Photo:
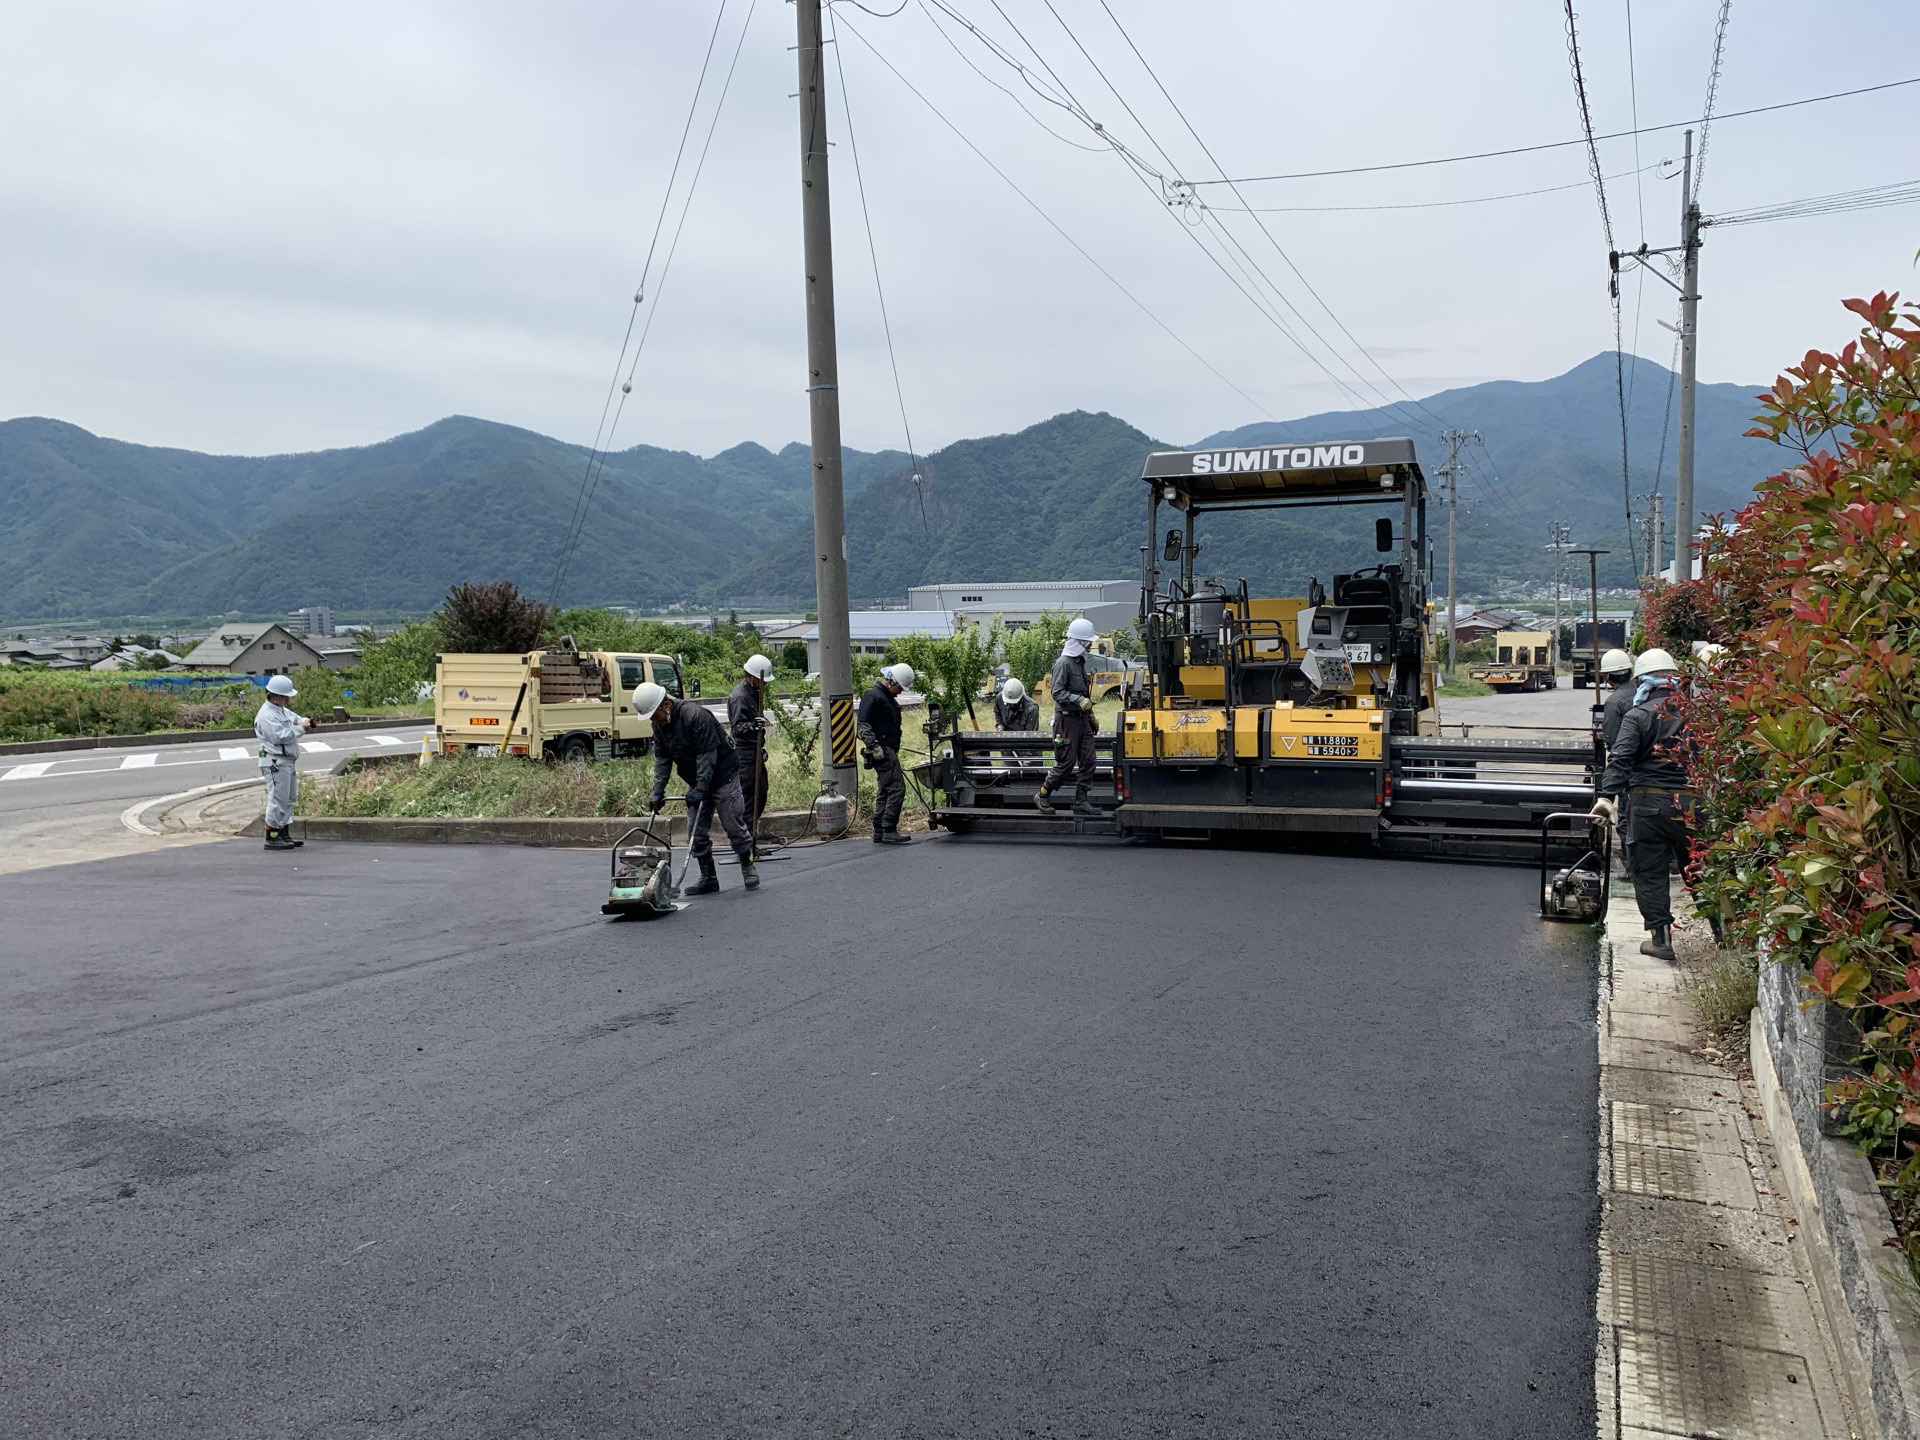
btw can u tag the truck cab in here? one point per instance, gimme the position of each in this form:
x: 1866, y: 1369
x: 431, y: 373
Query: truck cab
x: 556, y: 704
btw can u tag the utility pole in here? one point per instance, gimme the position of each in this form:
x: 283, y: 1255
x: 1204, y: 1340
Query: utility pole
x: 838, y: 750
x: 1562, y: 537
x: 1454, y: 439
x: 1593, y: 628
x: 1683, y: 528
x: 1658, y: 539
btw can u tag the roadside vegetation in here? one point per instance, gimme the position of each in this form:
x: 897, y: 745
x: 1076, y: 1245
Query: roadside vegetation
x: 1807, y: 734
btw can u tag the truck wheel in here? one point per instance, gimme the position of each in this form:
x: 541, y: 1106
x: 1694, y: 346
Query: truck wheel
x: 575, y: 750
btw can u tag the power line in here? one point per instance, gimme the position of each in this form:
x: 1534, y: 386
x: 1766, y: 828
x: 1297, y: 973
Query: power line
x: 1713, y: 88
x: 1056, y: 227
x: 967, y: 60
x: 576, y: 519
x: 1874, y: 197
x: 1639, y: 195
x: 1418, y: 204
x: 1560, y: 144
x: 595, y: 471
x: 873, y: 252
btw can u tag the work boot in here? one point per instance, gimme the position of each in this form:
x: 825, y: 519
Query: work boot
x: 277, y: 840
x: 1082, y: 805
x: 1043, y: 801
x: 749, y: 875
x: 1660, y: 946
x: 709, y: 880
x: 879, y: 835
x: 894, y: 837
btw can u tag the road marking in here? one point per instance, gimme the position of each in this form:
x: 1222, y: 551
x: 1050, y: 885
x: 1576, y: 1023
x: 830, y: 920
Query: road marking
x: 28, y: 772
x: 307, y: 747
x: 386, y: 739
x: 138, y: 762
x: 234, y: 752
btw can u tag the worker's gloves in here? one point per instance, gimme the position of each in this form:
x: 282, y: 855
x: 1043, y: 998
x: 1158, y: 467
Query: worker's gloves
x: 695, y: 799
x: 1606, y: 809
x: 1093, y: 723
x: 654, y: 803
x: 876, y: 756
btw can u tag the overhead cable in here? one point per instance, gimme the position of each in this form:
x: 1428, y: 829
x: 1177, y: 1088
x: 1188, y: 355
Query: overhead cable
x: 1874, y: 197
x: 1560, y: 144
x: 1713, y: 89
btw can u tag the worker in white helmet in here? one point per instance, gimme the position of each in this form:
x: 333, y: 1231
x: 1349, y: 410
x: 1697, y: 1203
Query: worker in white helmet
x: 1074, y: 725
x: 746, y: 723
x: 687, y: 739
x: 879, y: 721
x: 1616, y: 670
x: 279, y: 730
x: 1014, y: 709
x: 1648, y: 763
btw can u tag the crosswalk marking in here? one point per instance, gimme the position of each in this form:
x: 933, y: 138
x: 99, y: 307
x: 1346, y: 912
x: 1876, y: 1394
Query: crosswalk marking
x: 138, y: 762
x: 234, y: 752
x: 385, y: 739
x: 28, y: 772
x: 309, y: 746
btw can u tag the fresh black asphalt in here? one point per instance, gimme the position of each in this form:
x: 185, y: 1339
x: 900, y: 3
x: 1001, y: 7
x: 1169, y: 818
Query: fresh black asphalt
x: 969, y: 1138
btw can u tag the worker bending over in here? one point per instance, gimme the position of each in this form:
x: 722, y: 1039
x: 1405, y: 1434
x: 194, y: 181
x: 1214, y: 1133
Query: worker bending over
x: 687, y: 739
x: 1074, y: 725
x: 1014, y: 710
x: 1616, y: 670
x: 279, y: 731
x: 1647, y: 764
x: 746, y: 720
x: 880, y: 740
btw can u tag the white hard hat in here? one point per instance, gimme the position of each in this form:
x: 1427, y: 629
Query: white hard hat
x: 648, y: 698
x: 1615, y: 662
x: 759, y: 667
x: 1014, y: 692
x: 1709, y: 653
x: 1652, y: 662
x: 901, y: 675
x: 1081, y: 629
x: 281, y: 685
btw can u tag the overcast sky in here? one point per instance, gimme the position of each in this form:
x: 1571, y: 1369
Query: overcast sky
x: 251, y: 229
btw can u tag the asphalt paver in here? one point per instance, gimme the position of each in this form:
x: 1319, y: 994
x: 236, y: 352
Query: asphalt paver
x: 965, y: 1138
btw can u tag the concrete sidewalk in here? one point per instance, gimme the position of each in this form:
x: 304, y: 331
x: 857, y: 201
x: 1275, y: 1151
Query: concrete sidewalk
x: 1709, y: 1322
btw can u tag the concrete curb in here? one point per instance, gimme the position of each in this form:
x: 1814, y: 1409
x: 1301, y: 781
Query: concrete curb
x: 1848, y: 1231
x: 588, y: 833
x: 195, y: 737
x: 134, y: 817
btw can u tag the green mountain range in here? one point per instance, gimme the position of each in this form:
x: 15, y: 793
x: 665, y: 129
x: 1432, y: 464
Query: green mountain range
x: 92, y: 528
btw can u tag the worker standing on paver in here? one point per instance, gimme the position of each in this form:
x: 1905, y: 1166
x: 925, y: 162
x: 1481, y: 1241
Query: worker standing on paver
x: 880, y: 740
x: 1074, y: 724
x: 280, y: 730
x: 1647, y: 764
x: 746, y: 719
x: 1014, y: 709
x: 688, y: 739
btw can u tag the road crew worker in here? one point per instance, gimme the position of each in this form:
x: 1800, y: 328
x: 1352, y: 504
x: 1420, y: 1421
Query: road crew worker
x: 279, y: 730
x: 687, y: 739
x: 746, y: 719
x: 1074, y: 725
x: 880, y: 740
x: 1014, y: 709
x: 1616, y: 670
x: 1647, y: 764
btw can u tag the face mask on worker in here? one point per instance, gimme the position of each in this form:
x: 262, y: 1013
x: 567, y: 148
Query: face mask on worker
x: 1650, y: 683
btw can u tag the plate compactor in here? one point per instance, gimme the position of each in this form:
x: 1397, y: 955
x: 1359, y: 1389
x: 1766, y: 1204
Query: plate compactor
x: 642, y: 883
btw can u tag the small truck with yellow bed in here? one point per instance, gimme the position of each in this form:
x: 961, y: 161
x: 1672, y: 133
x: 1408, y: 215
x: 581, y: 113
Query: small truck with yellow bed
x: 1522, y: 660
x: 558, y: 704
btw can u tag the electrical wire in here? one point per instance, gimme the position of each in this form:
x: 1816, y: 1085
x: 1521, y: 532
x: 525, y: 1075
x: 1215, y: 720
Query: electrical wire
x: 1420, y: 204
x: 873, y: 253
x: 1713, y: 89
x: 967, y: 60
x: 574, y: 521
x: 1639, y: 196
x: 1875, y: 197
x: 1035, y: 206
x: 1560, y: 144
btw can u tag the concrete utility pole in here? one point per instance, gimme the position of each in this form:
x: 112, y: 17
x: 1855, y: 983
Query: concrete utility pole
x: 1683, y: 527
x: 839, y: 744
x: 1454, y: 439
x: 1562, y: 534
x: 1593, y: 628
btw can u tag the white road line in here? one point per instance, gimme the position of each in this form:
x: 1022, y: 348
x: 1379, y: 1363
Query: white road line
x: 386, y: 739
x: 231, y: 752
x: 28, y: 772
x: 138, y: 762
x: 307, y: 747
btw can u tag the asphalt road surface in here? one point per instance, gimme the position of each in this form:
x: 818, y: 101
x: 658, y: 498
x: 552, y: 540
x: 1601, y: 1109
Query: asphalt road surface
x: 972, y: 1138
x: 61, y: 806
x: 1564, y: 709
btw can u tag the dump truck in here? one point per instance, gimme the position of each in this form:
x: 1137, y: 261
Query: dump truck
x: 1522, y: 660
x: 557, y: 704
x: 1613, y: 636
x: 1295, y: 715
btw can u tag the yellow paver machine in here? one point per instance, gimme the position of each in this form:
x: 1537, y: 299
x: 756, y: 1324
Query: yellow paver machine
x: 1309, y: 715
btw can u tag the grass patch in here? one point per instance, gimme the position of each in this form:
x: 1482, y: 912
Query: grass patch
x: 1727, y: 995
x: 1462, y: 688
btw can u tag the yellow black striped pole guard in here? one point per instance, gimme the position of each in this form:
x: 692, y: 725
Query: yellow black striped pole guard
x: 843, y: 734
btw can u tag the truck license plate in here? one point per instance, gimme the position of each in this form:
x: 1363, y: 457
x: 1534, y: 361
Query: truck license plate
x: 1334, y: 747
x: 486, y: 719
x: 1360, y: 654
